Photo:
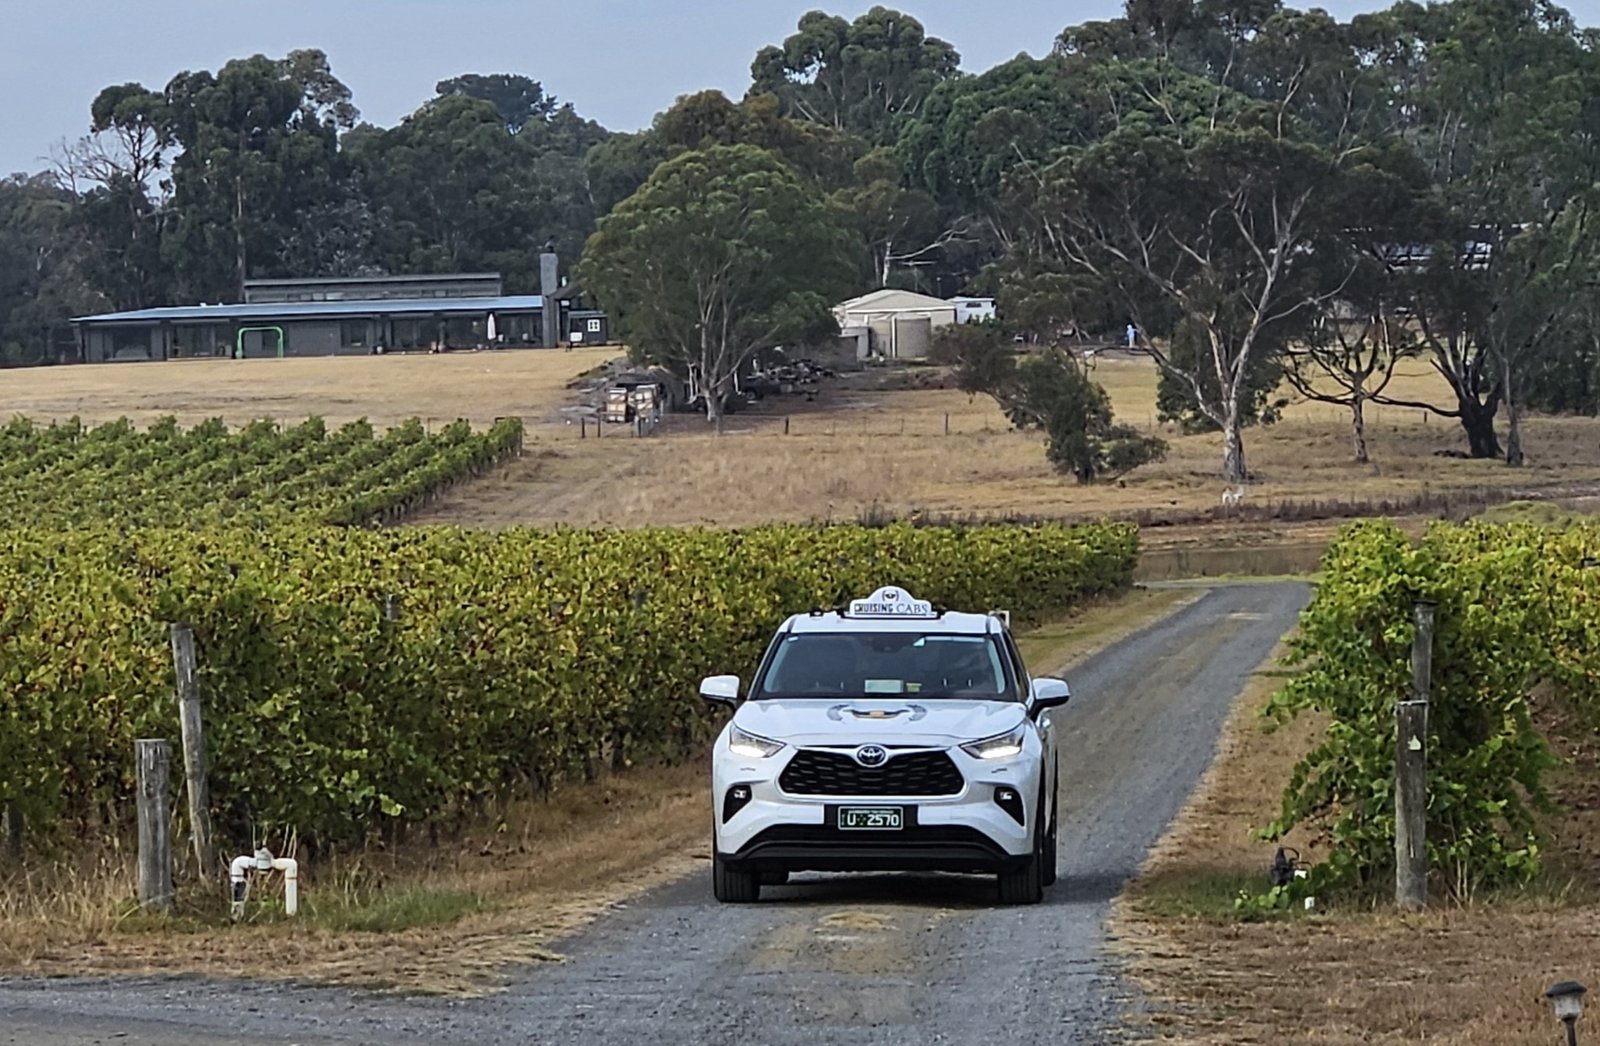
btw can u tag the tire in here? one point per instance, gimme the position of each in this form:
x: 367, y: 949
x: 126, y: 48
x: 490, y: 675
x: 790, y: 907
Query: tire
x: 1047, y: 874
x: 732, y: 884
x: 774, y: 878
x: 1025, y: 885
x: 1049, y: 855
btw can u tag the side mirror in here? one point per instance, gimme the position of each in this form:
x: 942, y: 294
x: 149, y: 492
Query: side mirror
x: 1050, y: 693
x: 722, y: 689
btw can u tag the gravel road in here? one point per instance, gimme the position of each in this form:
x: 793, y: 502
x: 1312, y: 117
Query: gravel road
x: 842, y: 959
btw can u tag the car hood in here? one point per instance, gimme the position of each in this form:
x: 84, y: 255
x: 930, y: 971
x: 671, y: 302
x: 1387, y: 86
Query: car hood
x: 893, y: 721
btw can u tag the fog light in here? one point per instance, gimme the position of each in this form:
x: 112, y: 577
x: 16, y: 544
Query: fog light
x: 737, y: 799
x: 1009, y: 800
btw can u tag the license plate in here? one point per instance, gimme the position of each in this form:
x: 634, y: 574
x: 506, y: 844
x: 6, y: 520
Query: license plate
x: 872, y: 818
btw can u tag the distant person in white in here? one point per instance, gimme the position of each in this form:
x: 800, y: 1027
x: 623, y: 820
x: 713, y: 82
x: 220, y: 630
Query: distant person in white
x: 1133, y: 335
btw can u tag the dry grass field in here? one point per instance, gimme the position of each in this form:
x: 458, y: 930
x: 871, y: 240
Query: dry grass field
x: 478, y: 386
x: 1466, y: 976
x: 857, y: 449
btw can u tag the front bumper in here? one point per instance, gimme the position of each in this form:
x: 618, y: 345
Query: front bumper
x: 965, y: 832
x: 914, y: 848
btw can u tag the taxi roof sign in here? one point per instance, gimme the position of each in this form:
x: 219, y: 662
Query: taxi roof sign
x: 890, y: 601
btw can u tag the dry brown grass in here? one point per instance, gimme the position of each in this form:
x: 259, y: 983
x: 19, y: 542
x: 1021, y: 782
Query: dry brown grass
x: 447, y: 918
x: 479, y: 386
x: 500, y: 895
x: 854, y: 451
x: 1466, y: 976
x: 865, y: 445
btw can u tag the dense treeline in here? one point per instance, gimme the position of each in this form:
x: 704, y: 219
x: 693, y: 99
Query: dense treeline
x: 1266, y: 193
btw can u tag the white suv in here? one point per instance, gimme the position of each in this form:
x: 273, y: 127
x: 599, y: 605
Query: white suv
x: 889, y: 736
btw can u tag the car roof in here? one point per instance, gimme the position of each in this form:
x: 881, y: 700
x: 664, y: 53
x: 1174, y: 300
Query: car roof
x: 949, y: 622
x: 893, y: 609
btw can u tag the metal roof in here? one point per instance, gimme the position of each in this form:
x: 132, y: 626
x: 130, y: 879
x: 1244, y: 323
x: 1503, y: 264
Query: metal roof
x: 432, y: 277
x: 312, y: 310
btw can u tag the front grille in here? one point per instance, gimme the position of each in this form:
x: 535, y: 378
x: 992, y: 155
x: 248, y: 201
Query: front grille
x: 812, y: 772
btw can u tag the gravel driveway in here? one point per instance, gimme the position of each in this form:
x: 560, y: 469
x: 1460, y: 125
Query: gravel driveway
x: 841, y: 959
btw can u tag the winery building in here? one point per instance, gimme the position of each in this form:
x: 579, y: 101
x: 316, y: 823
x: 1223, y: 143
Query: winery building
x: 350, y: 316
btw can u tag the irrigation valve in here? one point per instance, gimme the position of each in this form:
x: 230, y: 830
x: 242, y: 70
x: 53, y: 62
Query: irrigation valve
x: 1283, y: 867
x: 1286, y: 869
x: 263, y: 861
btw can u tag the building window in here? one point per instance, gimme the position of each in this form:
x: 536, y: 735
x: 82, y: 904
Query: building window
x: 353, y: 334
x: 594, y: 326
x: 190, y: 341
x: 414, y: 334
x: 130, y: 343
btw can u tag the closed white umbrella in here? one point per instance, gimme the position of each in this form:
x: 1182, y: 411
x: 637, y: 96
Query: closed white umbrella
x: 493, y: 332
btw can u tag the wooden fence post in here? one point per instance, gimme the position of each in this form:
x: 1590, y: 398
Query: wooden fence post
x: 155, y: 839
x: 1411, y: 771
x: 194, y: 746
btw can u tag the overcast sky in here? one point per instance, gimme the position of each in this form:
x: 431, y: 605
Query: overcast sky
x: 618, y: 61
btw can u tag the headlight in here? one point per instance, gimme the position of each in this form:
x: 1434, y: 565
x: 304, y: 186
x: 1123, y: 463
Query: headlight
x: 752, y: 746
x: 1000, y: 746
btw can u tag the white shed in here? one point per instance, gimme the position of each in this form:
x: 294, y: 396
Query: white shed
x: 901, y: 322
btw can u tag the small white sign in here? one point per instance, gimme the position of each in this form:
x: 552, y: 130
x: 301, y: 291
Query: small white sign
x: 891, y: 602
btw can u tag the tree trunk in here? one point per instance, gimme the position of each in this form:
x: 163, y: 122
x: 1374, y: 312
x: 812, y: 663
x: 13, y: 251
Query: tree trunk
x: 1513, y: 419
x: 1478, y: 421
x: 238, y: 236
x: 1233, y: 469
x: 1358, y: 425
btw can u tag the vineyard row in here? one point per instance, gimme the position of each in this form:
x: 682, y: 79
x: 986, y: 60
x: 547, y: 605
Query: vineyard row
x: 354, y: 677
x: 72, y: 475
x: 1517, y: 607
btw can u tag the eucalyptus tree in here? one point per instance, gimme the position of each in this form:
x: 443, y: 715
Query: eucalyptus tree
x: 1499, y: 102
x: 865, y: 78
x: 724, y: 252
x: 260, y: 148
x: 1203, y: 228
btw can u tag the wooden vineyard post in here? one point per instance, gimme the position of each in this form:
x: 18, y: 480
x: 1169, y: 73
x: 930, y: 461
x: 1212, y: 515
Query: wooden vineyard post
x: 194, y: 746
x: 155, y: 840
x: 1411, y: 772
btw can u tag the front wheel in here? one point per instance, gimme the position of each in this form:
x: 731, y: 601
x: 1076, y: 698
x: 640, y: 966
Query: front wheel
x: 733, y: 885
x: 1048, y: 875
x: 1025, y: 885
x: 1049, y: 845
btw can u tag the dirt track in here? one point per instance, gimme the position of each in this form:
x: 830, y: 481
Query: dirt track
x: 859, y: 960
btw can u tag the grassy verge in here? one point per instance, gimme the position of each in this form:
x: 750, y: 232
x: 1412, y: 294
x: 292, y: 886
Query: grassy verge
x: 1352, y: 972
x: 425, y: 918
x: 440, y: 918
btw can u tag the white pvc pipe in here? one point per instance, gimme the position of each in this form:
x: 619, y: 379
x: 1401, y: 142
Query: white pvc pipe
x: 239, y: 884
x: 291, y: 883
x: 263, y: 861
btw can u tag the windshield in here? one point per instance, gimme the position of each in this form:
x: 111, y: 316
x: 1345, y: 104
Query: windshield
x: 887, y: 664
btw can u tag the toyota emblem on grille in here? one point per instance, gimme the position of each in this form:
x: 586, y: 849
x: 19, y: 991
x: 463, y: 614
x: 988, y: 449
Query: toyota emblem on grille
x: 872, y: 755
